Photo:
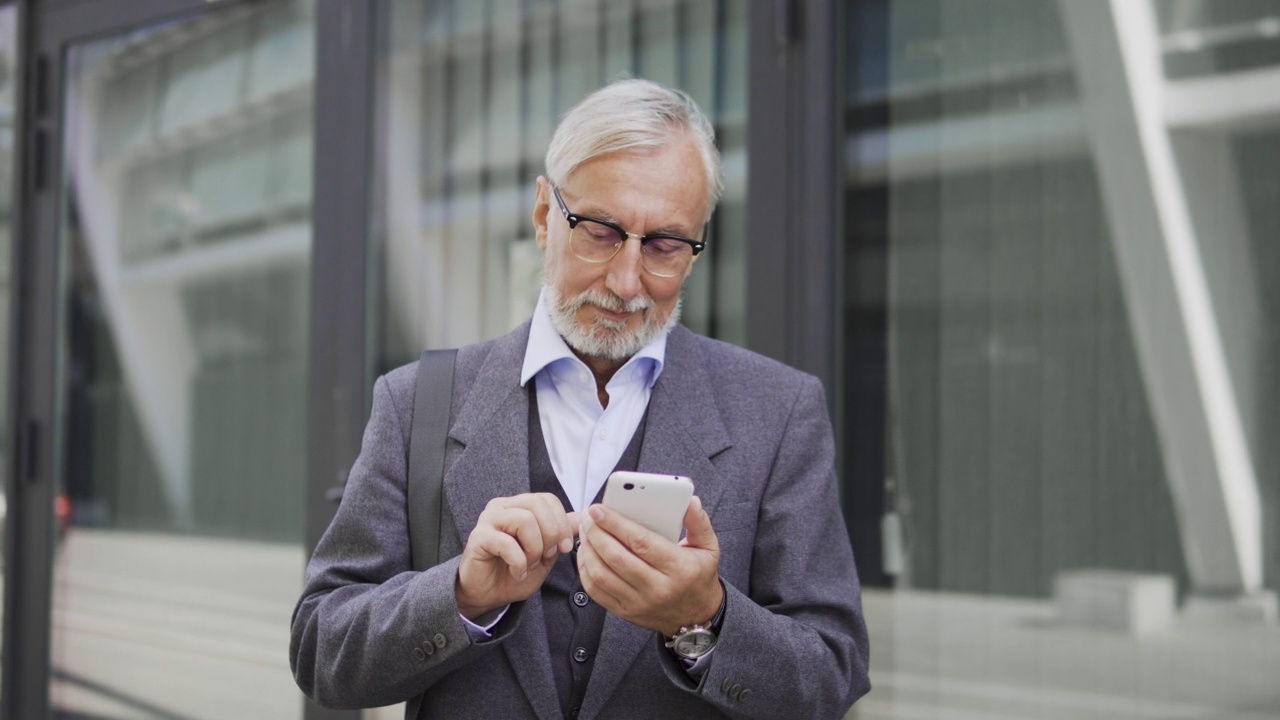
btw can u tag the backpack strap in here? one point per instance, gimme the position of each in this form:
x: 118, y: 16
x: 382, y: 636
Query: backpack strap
x: 428, y: 436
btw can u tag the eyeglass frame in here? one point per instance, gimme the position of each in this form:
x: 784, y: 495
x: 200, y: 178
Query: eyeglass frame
x: 573, y: 219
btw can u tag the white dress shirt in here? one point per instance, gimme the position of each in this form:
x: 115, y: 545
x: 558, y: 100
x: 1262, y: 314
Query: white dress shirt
x: 585, y: 439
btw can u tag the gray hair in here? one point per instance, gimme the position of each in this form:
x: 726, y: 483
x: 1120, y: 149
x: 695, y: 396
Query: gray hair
x: 633, y: 115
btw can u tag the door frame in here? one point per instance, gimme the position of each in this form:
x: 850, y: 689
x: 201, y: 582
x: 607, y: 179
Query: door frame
x: 47, y: 29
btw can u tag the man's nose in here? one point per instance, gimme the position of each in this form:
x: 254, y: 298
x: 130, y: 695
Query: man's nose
x: 623, y: 278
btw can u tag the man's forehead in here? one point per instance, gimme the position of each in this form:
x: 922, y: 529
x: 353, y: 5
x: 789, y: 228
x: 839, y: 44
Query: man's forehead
x: 610, y: 185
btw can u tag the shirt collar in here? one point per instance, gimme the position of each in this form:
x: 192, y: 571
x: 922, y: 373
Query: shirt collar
x: 546, y: 348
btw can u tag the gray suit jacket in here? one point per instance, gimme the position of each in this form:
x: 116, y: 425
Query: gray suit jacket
x: 753, y: 434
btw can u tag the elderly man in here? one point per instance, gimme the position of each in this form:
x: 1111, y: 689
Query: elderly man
x: 553, y: 605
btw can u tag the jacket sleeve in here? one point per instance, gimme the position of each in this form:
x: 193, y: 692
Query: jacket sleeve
x: 368, y: 630
x: 793, y: 643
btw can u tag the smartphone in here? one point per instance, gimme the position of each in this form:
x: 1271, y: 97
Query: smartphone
x: 657, y: 502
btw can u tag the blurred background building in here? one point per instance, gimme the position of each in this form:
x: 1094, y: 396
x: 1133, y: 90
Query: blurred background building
x: 1025, y: 244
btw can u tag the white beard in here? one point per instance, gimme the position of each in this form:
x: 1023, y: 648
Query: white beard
x: 603, y: 338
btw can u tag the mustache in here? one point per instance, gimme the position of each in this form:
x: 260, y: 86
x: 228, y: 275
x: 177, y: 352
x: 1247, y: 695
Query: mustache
x: 610, y: 302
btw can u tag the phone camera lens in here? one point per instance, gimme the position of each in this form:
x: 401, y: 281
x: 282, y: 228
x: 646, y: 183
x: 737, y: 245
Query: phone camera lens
x: 628, y: 486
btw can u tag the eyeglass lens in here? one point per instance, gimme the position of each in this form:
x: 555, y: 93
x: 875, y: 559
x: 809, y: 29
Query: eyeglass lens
x: 597, y: 242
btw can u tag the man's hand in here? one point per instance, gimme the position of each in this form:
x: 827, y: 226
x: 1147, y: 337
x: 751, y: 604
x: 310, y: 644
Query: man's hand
x: 511, y: 550
x: 647, y: 580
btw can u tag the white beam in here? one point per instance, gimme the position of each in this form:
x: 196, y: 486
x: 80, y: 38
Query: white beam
x: 1223, y: 102
x: 150, y: 333
x: 1116, y: 47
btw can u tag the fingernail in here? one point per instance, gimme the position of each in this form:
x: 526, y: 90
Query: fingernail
x: 566, y: 545
x: 596, y: 512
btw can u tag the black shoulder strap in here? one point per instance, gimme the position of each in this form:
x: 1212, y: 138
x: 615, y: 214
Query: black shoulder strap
x: 427, y: 439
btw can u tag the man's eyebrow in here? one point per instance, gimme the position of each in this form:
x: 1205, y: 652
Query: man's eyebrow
x: 602, y: 214
x: 672, y: 230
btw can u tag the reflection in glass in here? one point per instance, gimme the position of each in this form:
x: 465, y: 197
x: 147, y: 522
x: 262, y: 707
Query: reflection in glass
x: 9, y: 74
x: 1066, y: 290
x: 186, y: 239
x: 473, y: 93
x: 1206, y: 37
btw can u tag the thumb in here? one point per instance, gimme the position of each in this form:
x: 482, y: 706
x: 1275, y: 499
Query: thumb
x: 697, y: 525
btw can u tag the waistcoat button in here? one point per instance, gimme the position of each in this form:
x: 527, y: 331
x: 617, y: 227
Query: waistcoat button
x: 580, y: 654
x: 580, y: 599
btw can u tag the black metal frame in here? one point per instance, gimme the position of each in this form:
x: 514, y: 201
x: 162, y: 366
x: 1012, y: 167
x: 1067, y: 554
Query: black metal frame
x: 337, y: 311
x: 15, y: 474
x: 798, y: 309
x: 864, y: 405
x: 793, y: 143
x: 344, y: 110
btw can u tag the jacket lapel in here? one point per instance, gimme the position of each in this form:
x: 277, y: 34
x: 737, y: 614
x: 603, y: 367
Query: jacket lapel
x: 491, y: 457
x: 492, y: 430
x: 683, y: 432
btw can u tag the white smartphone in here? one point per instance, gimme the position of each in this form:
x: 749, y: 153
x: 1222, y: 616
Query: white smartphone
x: 657, y: 502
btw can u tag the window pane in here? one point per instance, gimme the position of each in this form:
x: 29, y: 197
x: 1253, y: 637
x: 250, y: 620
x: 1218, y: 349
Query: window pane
x: 1059, y: 294
x: 186, y: 245
x: 472, y: 94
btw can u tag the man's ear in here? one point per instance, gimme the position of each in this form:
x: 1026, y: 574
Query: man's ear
x: 541, y: 206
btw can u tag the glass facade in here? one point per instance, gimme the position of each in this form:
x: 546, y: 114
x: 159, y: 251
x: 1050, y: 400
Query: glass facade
x: 1057, y: 373
x: 471, y: 94
x: 186, y: 241
x: 1061, y: 218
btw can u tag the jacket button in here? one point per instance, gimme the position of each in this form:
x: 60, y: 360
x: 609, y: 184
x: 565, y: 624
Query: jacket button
x: 580, y: 654
x: 745, y: 692
x: 428, y: 648
x: 418, y: 653
x: 580, y: 599
x: 440, y: 640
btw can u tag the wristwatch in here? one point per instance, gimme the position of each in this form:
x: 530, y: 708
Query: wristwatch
x: 695, y: 641
x: 692, y: 642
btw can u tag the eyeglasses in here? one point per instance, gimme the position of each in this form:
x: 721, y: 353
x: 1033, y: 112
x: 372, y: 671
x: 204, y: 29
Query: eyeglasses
x: 597, y: 241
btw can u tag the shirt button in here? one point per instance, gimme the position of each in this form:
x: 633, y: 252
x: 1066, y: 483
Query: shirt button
x: 580, y: 599
x: 582, y: 377
x: 580, y: 654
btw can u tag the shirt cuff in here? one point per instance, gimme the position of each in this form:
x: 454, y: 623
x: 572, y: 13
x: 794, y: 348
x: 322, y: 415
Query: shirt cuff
x: 695, y: 668
x: 482, y: 632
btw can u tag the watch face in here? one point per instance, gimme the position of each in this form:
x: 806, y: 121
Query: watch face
x: 695, y: 643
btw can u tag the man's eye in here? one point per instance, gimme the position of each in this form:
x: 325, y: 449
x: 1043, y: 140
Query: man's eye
x: 603, y: 233
x: 665, y: 246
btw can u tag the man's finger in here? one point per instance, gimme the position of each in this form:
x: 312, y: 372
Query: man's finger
x: 552, y: 524
x: 600, y: 582
x: 505, y: 547
x: 641, y: 541
x: 575, y: 528
x: 601, y: 549
x: 522, y: 524
x: 697, y: 525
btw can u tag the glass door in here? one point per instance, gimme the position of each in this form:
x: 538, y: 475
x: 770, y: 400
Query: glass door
x: 184, y: 228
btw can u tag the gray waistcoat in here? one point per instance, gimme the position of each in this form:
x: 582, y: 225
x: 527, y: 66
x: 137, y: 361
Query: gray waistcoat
x: 573, y: 620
